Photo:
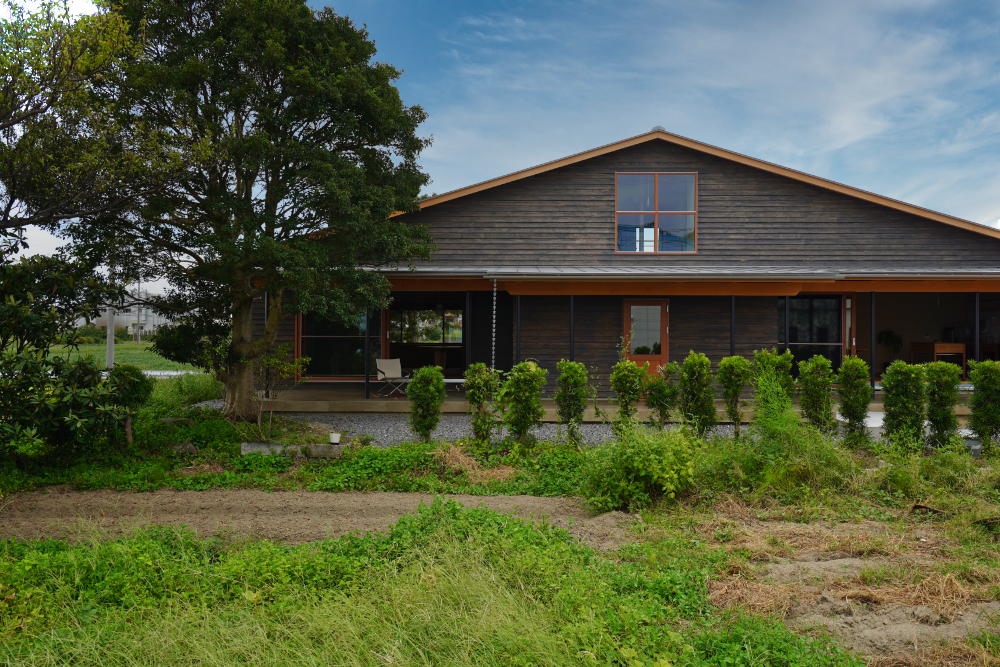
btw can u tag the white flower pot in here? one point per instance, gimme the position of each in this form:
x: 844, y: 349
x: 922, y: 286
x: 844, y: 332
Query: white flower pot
x: 334, y: 438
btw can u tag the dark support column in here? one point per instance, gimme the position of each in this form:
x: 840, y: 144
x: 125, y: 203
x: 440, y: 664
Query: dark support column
x: 467, y: 328
x: 517, y: 317
x: 572, y: 331
x: 872, y: 346
x: 368, y: 354
x: 976, y: 330
x: 787, y: 310
x: 732, y: 329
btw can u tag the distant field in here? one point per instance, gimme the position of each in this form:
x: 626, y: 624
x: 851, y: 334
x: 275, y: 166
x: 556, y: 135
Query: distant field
x: 137, y: 354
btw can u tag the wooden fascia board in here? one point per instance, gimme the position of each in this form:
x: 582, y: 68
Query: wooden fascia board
x: 727, y: 155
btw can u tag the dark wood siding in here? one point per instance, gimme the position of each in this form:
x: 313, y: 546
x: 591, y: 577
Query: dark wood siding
x: 598, y: 334
x: 701, y: 324
x: 286, y: 328
x: 746, y: 216
x: 545, y: 332
x: 756, y: 324
x: 481, y: 328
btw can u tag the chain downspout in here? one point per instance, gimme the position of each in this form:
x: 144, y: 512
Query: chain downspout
x: 493, y: 349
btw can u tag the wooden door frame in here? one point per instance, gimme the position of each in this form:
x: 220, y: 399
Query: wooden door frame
x: 654, y: 360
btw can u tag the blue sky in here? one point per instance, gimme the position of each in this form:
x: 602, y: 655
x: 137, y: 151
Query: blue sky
x: 899, y: 97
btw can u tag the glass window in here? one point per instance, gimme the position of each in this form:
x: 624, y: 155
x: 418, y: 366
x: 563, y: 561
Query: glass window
x: 335, y: 348
x: 645, y: 328
x: 814, y: 328
x: 673, y: 226
x: 425, y: 326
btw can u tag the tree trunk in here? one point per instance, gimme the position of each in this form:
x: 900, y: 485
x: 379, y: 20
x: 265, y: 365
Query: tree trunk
x: 240, y: 398
x: 239, y: 391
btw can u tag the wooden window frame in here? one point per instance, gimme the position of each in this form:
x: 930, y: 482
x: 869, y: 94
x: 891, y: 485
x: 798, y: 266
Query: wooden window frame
x: 654, y: 360
x: 655, y: 213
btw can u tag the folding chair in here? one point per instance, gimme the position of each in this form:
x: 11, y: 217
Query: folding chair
x: 391, y: 373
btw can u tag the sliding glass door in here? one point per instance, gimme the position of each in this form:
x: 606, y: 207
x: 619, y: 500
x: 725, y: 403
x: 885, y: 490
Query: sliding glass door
x: 814, y: 327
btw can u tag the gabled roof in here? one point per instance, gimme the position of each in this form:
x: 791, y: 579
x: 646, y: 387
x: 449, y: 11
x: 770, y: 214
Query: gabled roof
x: 658, y: 134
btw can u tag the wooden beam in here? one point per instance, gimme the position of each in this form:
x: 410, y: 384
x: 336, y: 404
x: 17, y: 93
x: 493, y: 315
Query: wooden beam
x: 415, y: 284
x: 651, y: 288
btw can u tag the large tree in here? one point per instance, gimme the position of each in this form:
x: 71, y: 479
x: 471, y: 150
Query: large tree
x: 296, y: 150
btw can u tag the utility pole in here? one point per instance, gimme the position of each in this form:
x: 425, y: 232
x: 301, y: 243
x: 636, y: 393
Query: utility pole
x: 109, y: 357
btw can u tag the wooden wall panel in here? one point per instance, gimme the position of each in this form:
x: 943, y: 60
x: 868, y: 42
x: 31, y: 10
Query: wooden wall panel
x: 756, y: 324
x: 702, y: 324
x: 545, y: 333
x: 746, y: 216
x: 598, y: 322
x: 482, y: 328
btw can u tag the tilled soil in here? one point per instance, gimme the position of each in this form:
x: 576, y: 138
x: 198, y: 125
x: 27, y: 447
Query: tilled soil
x: 286, y: 516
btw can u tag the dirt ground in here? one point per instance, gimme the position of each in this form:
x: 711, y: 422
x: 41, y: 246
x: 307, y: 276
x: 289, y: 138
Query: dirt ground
x: 288, y: 516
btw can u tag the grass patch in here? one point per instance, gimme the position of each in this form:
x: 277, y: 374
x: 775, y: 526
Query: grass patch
x: 136, y: 354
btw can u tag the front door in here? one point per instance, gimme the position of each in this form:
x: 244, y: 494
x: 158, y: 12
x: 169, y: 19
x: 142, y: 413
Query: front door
x: 646, y: 332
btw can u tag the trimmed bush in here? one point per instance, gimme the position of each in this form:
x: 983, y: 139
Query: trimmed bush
x: 942, y: 396
x: 426, y: 393
x: 904, y: 400
x: 641, y: 464
x: 662, y: 393
x: 481, y: 384
x: 520, y: 400
x: 573, y: 390
x: 855, y: 397
x: 816, y: 379
x: 132, y: 389
x: 734, y: 376
x: 628, y: 381
x: 697, y: 394
x: 781, y: 364
x: 985, y: 403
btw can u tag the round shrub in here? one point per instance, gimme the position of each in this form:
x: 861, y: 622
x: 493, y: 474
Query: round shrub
x: 426, y: 393
x: 520, y: 399
x: 942, y: 396
x: 985, y: 403
x: 573, y: 390
x: 481, y: 384
x: 628, y: 381
x: 734, y: 376
x: 132, y: 389
x: 816, y: 379
x: 640, y: 465
x: 781, y: 364
x: 697, y: 394
x: 855, y: 397
x: 904, y: 400
x: 662, y: 392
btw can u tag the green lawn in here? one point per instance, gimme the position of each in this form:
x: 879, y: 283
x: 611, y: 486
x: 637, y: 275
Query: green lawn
x: 137, y: 354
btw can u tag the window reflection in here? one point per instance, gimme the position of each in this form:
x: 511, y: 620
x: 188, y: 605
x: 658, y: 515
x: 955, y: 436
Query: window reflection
x: 636, y: 192
x: 675, y: 192
x: 645, y: 328
x: 636, y: 233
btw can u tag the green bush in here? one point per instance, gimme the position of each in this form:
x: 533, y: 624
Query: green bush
x: 942, y: 396
x: 904, y: 403
x: 985, y: 402
x: 183, y: 390
x: 628, y: 381
x: 573, y: 390
x: 257, y: 462
x: 662, y: 393
x: 697, y: 395
x: 855, y: 397
x: 481, y: 384
x: 426, y: 393
x: 638, y: 466
x: 132, y: 389
x: 520, y: 400
x: 780, y: 364
x: 816, y: 379
x: 122, y: 336
x: 734, y: 376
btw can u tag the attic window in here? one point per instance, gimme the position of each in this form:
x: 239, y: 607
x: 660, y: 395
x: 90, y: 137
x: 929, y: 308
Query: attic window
x: 656, y: 213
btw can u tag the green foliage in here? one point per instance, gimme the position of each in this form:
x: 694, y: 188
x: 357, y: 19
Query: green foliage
x: 640, y: 465
x: 780, y: 365
x: 426, y: 392
x: 183, y: 390
x: 816, y: 380
x: 985, y: 401
x: 855, y: 397
x: 520, y: 400
x: 734, y: 375
x: 257, y: 462
x: 132, y: 387
x: 662, y: 392
x: 628, y: 381
x: 942, y: 396
x: 904, y: 402
x: 573, y: 390
x: 481, y: 385
x: 697, y: 395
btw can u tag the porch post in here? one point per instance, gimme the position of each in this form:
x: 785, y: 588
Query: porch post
x: 732, y: 329
x: 787, y: 342
x: 467, y: 328
x: 572, y: 331
x: 368, y: 354
x: 872, y: 345
x: 517, y: 347
x: 976, y: 334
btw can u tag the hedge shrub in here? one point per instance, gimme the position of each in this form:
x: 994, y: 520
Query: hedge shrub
x: 628, y: 381
x: 942, y: 396
x: 132, y: 389
x: 734, y: 376
x: 481, y: 385
x: 426, y: 393
x: 985, y: 403
x: 662, y: 393
x: 781, y: 364
x: 855, y: 397
x: 697, y: 393
x: 573, y: 390
x: 904, y: 402
x: 520, y: 400
x: 816, y: 380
